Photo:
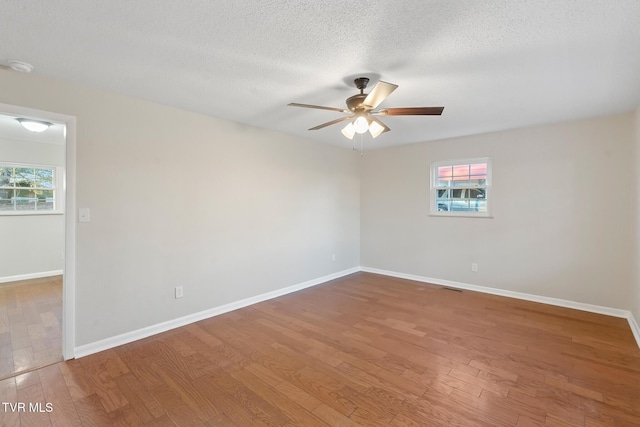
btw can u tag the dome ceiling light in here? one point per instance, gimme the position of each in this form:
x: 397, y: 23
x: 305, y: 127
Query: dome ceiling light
x: 34, y: 125
x: 23, y: 67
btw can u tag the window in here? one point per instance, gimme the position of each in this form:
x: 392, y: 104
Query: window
x: 28, y: 189
x: 461, y: 187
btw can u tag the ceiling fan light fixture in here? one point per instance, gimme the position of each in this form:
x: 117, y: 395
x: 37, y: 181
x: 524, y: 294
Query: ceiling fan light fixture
x: 349, y: 131
x: 375, y: 129
x: 360, y: 109
x: 361, y: 124
x: 34, y: 125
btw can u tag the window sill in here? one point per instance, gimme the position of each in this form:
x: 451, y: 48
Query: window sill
x: 30, y: 213
x: 450, y: 215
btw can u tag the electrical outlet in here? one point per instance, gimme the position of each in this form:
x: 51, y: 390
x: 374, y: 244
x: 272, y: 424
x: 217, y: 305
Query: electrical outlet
x: 474, y: 267
x: 179, y: 292
x: 333, y: 257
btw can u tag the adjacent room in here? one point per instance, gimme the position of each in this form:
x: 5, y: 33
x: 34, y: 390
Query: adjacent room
x: 320, y: 213
x: 32, y: 250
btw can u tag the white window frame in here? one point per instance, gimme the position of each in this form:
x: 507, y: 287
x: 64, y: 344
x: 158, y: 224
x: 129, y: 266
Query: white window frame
x: 433, y: 191
x: 58, y: 189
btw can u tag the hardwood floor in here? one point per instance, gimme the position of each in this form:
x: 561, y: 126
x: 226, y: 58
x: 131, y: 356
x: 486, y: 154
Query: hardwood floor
x: 30, y: 324
x: 361, y: 350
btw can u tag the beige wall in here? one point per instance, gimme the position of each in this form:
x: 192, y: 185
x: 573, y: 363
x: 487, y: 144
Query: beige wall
x: 563, y: 206
x: 229, y: 211
x: 635, y: 307
x: 226, y: 210
x: 13, y: 150
x: 31, y: 244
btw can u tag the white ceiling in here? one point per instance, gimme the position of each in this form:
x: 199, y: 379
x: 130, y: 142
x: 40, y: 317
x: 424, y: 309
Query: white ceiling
x: 493, y: 64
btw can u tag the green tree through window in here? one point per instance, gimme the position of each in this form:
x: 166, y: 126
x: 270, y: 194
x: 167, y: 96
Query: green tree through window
x: 26, y: 188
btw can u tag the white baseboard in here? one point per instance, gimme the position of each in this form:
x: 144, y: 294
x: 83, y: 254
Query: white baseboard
x: 634, y: 327
x: 128, y: 337
x: 105, y: 344
x: 30, y: 276
x: 615, y: 312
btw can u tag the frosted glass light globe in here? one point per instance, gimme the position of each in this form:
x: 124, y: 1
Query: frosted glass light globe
x: 361, y: 125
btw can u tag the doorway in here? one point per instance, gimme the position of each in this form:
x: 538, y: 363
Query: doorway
x: 37, y: 273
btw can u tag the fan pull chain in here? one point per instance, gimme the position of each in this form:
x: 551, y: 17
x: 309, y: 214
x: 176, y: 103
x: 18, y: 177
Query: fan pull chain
x: 361, y: 145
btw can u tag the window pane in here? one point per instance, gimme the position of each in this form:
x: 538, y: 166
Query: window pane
x: 444, y: 176
x: 445, y: 172
x: 477, y: 193
x: 479, y: 169
x: 477, y: 182
x: 24, y: 200
x: 23, y: 177
x: 44, y: 178
x: 461, y: 171
x: 6, y: 203
x: 45, y: 200
x: 460, y: 183
x: 25, y: 193
x: 5, y: 176
x: 459, y: 205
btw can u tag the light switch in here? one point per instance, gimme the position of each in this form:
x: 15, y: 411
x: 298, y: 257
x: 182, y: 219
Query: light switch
x: 84, y: 215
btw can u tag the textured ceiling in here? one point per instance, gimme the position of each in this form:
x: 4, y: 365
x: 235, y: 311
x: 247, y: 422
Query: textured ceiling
x: 493, y: 64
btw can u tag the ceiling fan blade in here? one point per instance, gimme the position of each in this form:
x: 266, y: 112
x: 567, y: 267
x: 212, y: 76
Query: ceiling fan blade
x: 378, y: 94
x: 412, y: 111
x: 332, y: 122
x: 318, y: 107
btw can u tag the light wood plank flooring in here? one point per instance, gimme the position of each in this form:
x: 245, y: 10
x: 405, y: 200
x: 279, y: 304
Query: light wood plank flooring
x: 361, y: 350
x: 30, y: 324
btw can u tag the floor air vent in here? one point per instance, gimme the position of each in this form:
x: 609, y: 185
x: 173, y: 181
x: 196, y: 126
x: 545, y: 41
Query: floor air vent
x: 452, y: 289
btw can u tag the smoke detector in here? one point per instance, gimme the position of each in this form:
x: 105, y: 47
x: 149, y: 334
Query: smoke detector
x: 23, y: 67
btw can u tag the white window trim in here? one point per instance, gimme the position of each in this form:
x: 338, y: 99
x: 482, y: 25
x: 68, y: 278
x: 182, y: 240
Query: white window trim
x: 58, y: 188
x: 433, y: 209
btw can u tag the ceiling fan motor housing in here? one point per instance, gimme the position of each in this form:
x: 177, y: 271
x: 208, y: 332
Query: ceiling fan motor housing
x: 361, y: 83
x: 354, y: 102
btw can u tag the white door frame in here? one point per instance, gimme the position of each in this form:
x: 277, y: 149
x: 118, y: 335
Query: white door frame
x: 69, y: 269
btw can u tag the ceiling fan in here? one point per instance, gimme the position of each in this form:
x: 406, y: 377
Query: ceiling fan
x: 361, y: 109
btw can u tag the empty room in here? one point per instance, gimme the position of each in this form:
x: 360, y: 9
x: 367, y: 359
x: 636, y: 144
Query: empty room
x: 305, y: 213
